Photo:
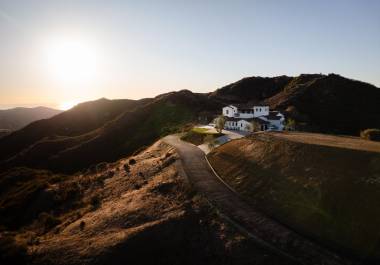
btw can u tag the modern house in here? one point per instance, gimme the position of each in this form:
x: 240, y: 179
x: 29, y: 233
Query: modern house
x: 245, y: 117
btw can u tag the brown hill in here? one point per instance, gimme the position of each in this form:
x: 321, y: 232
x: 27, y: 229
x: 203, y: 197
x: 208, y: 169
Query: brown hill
x: 79, y: 120
x: 331, y: 104
x: 321, y: 103
x: 140, y: 212
x: 16, y: 118
x: 119, y: 137
x: 105, y: 130
x: 323, y: 186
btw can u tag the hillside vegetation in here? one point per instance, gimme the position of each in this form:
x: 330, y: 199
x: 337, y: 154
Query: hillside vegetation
x: 123, y: 135
x: 138, y: 210
x: 198, y: 136
x: 106, y: 130
x: 326, y: 187
x: 319, y: 103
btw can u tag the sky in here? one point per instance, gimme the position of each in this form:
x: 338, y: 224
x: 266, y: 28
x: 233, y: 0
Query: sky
x: 57, y: 53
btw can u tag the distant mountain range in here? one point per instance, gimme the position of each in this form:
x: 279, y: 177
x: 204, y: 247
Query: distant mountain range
x: 105, y: 130
x: 16, y: 118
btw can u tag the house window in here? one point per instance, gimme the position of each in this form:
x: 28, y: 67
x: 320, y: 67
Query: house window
x: 227, y: 111
x: 241, y: 124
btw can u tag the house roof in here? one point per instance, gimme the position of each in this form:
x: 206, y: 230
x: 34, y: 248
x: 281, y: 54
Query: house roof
x: 247, y: 120
x: 273, y: 115
x: 247, y: 106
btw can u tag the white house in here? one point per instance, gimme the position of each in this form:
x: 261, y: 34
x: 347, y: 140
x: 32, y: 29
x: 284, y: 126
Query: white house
x: 245, y: 111
x: 242, y: 117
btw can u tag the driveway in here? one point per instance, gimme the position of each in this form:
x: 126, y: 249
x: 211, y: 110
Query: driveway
x: 264, y: 230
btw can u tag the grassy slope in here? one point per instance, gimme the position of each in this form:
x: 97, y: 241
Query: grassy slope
x: 124, y: 135
x: 79, y: 120
x: 143, y: 213
x: 329, y: 193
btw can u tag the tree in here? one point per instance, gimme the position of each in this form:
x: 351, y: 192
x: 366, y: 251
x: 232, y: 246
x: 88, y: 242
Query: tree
x: 219, y: 123
x: 290, y: 124
x: 209, y: 139
x: 248, y: 127
x: 256, y: 126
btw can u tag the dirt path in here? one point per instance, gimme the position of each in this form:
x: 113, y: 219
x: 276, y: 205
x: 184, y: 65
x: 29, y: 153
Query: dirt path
x: 265, y: 231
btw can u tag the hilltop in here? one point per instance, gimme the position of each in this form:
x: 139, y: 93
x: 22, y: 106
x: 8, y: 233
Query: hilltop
x: 322, y: 186
x: 106, y: 130
x: 16, y: 118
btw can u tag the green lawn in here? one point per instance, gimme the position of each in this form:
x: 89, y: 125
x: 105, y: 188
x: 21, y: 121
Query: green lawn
x: 197, y: 135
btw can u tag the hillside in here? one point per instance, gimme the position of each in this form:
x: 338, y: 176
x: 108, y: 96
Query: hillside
x: 79, y: 120
x: 14, y: 119
x: 330, y: 104
x: 325, y: 187
x: 106, y: 130
x: 319, y: 103
x: 125, y: 134
x: 138, y: 210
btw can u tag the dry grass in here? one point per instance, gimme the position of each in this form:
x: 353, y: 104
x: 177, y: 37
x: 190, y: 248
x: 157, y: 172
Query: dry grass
x: 138, y: 210
x: 348, y: 142
x: 326, y: 187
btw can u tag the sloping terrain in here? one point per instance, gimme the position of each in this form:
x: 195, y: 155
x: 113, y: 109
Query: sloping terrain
x: 81, y: 119
x: 138, y: 210
x: 325, y: 187
x: 16, y: 118
x: 251, y: 89
x: 331, y: 104
x: 121, y: 136
x: 106, y: 130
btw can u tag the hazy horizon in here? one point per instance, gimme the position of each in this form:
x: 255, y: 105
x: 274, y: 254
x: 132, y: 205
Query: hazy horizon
x: 58, y: 53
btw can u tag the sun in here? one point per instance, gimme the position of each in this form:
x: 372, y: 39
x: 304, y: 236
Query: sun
x: 71, y: 61
x: 67, y: 105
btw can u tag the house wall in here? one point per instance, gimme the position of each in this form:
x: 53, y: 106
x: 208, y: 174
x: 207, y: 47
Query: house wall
x: 229, y: 111
x: 278, y: 123
x: 231, y: 125
x: 244, y: 126
x: 260, y: 110
x: 246, y: 115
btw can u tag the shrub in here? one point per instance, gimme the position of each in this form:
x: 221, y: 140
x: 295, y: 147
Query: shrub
x: 95, y: 201
x: 48, y: 221
x: 12, y: 251
x: 82, y: 225
x: 132, y: 161
x: 371, y: 134
x: 101, y: 166
x: 126, y: 168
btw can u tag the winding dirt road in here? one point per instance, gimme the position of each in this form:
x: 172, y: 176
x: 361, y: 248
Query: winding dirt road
x: 262, y: 229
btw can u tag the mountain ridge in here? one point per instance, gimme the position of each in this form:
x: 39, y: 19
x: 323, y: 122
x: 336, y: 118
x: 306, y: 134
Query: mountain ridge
x: 73, y: 140
x: 16, y: 118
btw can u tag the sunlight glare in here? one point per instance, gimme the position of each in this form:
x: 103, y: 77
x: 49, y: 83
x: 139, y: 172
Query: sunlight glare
x: 67, y: 105
x: 71, y: 61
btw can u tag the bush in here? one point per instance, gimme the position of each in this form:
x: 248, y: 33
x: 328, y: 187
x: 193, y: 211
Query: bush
x: 371, y: 134
x: 132, y: 161
x: 95, y: 201
x: 48, y: 221
x: 12, y: 251
x: 82, y: 225
x: 126, y: 168
x: 101, y: 166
